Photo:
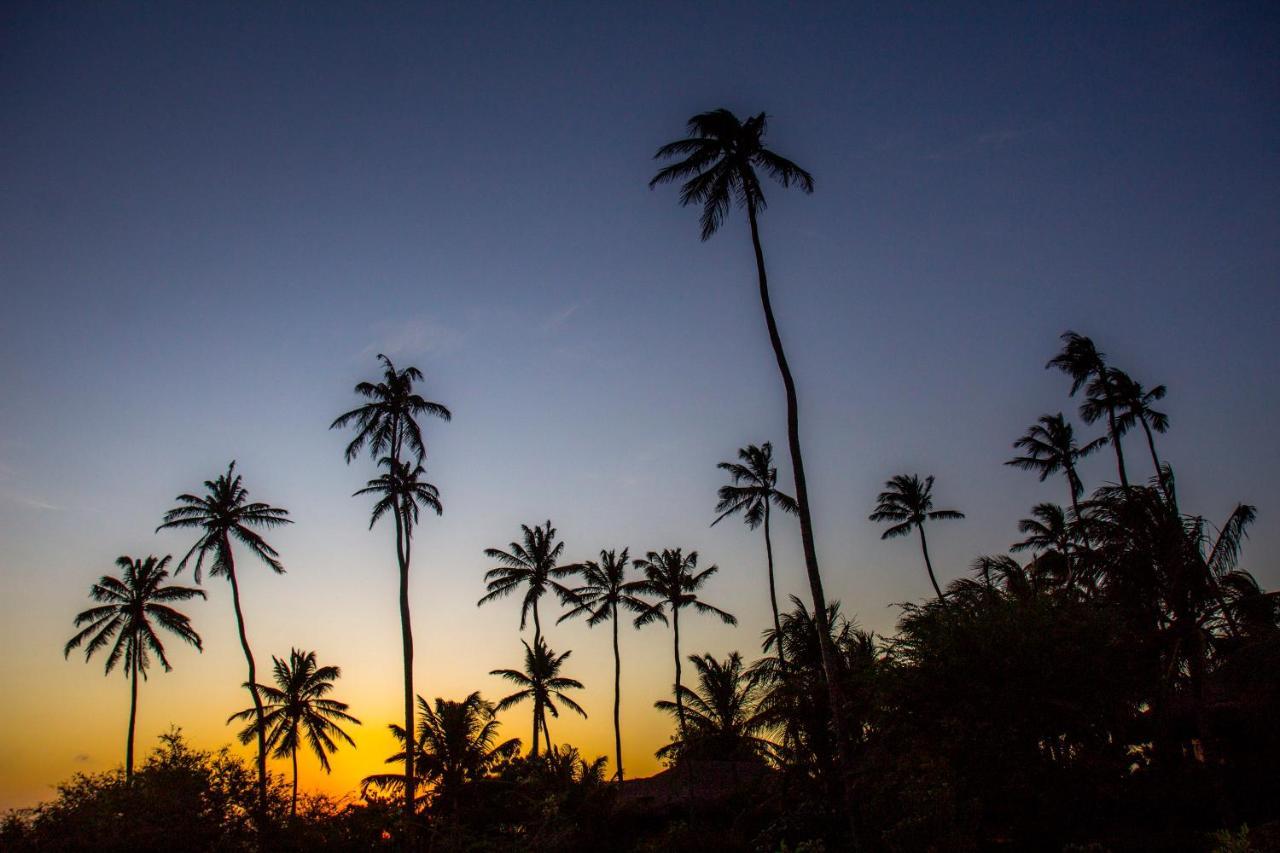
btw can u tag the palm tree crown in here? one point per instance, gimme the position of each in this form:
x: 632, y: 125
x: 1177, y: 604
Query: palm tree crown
x: 541, y: 682
x: 130, y: 603
x: 296, y: 708
x: 1050, y: 447
x: 908, y: 502
x: 388, y: 422
x: 1086, y: 366
x: 532, y: 564
x: 403, y: 492
x: 721, y: 715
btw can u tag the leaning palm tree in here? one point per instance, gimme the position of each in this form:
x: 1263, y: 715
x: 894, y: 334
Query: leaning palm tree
x: 1086, y: 366
x: 1135, y: 407
x: 223, y: 514
x: 531, y: 564
x: 908, y: 502
x: 604, y: 591
x: 456, y: 745
x: 723, y: 719
x: 542, y: 682
x: 388, y: 426
x: 129, y: 604
x: 296, y: 707
x: 1050, y: 446
x: 720, y: 158
x: 672, y: 579
x: 752, y: 493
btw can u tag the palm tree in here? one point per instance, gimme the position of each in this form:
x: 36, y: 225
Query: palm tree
x: 456, y: 745
x: 752, y: 493
x: 223, y: 514
x: 722, y: 717
x: 605, y: 589
x: 1135, y: 407
x: 908, y: 501
x: 1047, y: 529
x: 673, y: 579
x: 297, y: 707
x: 1082, y: 361
x: 130, y: 603
x: 721, y: 155
x: 388, y: 425
x: 540, y: 681
x: 531, y: 564
x: 1050, y: 447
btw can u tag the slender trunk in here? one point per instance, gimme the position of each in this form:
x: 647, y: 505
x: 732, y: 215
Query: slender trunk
x: 1114, y: 432
x: 253, y: 684
x: 829, y: 665
x: 537, y: 626
x: 546, y: 730
x: 1155, y: 460
x: 773, y: 592
x: 293, y: 805
x: 928, y: 564
x: 538, y: 712
x: 133, y: 710
x: 406, y: 638
x: 675, y: 625
x: 536, y: 724
x: 617, y: 694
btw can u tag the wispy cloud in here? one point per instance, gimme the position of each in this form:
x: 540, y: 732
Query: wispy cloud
x: 558, y: 319
x: 11, y: 492
x: 29, y: 501
x: 418, y: 335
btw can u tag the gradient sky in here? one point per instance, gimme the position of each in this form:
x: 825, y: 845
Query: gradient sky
x: 214, y: 215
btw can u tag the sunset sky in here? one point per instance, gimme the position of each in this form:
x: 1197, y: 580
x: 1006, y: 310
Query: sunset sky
x: 213, y: 217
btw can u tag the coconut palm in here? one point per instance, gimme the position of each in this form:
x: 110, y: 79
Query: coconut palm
x: 130, y: 604
x: 456, y: 745
x: 722, y: 718
x: 752, y: 492
x: 908, y: 502
x: 541, y: 682
x: 296, y: 707
x: 1088, y: 369
x: 1048, y: 529
x: 720, y: 157
x: 1135, y: 407
x: 223, y: 514
x: 531, y: 564
x: 672, y: 579
x: 604, y: 591
x: 388, y: 426
x: 1050, y: 447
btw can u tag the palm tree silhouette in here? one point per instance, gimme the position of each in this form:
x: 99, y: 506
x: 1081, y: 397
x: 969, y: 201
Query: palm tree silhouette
x: 297, y: 707
x: 908, y: 501
x: 130, y: 603
x: 673, y: 579
x: 752, y: 493
x: 722, y: 718
x: 222, y: 514
x: 604, y: 590
x: 1050, y: 447
x: 721, y: 155
x: 1048, y: 529
x: 388, y: 425
x: 540, y: 681
x: 456, y: 745
x: 1082, y: 361
x: 531, y: 564
x: 1135, y: 402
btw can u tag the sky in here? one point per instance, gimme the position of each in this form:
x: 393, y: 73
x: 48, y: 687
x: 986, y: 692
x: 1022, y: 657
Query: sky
x: 214, y: 216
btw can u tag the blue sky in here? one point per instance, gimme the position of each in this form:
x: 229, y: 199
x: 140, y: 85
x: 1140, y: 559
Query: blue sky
x: 214, y: 216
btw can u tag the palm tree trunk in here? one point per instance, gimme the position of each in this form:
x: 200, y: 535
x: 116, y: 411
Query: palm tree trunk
x: 537, y: 707
x: 538, y: 712
x: 133, y: 711
x: 406, y: 639
x: 773, y: 593
x: 675, y: 625
x: 293, y: 805
x: 1115, y: 435
x: 253, y: 683
x: 825, y: 645
x: 617, y: 694
x: 928, y: 564
x: 1155, y: 460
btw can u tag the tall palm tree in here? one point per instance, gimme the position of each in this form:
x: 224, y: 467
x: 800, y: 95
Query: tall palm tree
x: 542, y: 682
x: 1050, y: 447
x: 222, y: 514
x: 673, y: 580
x: 720, y: 158
x: 1048, y: 528
x: 908, y: 502
x: 1086, y: 366
x: 456, y: 745
x: 752, y: 492
x: 296, y: 707
x: 129, y: 604
x: 388, y: 425
x: 723, y: 720
x: 603, y: 592
x: 1135, y: 407
x: 531, y: 564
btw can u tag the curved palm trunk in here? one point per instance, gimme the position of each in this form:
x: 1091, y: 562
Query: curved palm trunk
x: 253, y: 684
x: 773, y: 592
x: 617, y: 694
x: 928, y: 564
x: 1155, y: 460
x: 406, y: 638
x: 293, y: 805
x: 133, y: 715
x: 1115, y: 435
x: 538, y: 713
x: 827, y: 648
x: 675, y: 626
